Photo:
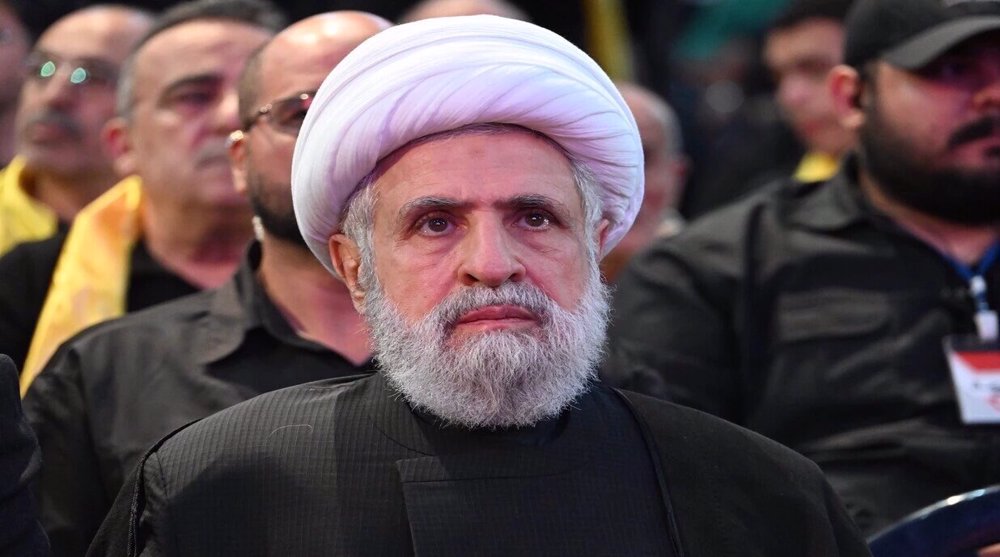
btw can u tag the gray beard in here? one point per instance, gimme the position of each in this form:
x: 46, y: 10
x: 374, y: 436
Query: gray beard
x: 495, y: 379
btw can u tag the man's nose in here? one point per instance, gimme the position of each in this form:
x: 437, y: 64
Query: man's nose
x: 227, y: 116
x: 57, y: 91
x: 489, y: 256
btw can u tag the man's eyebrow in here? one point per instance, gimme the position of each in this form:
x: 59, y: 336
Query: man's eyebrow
x: 425, y: 204
x: 533, y: 201
x: 196, y: 80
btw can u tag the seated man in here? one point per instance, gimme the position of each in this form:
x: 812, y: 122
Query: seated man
x: 463, y: 176
x: 175, y: 225
x: 67, y: 97
x: 114, y: 390
x: 665, y: 167
x: 816, y: 314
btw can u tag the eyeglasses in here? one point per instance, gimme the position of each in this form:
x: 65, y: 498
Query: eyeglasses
x: 285, y: 115
x: 42, y: 67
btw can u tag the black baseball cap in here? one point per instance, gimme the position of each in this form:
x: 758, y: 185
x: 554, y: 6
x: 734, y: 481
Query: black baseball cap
x: 911, y: 33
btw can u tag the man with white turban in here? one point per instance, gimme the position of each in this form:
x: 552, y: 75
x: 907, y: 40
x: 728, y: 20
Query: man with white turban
x: 462, y: 176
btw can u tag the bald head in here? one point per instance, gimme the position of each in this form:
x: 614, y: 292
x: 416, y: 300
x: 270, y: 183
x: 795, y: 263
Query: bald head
x: 282, y: 75
x: 446, y: 8
x: 61, y: 113
x: 305, y: 52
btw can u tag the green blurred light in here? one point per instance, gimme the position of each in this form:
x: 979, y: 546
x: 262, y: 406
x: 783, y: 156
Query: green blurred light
x: 48, y: 69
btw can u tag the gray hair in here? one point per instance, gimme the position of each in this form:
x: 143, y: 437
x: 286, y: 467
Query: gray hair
x: 359, y: 214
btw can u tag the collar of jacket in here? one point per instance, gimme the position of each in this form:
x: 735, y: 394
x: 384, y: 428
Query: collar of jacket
x: 22, y: 218
x: 238, y: 307
x: 830, y: 205
x: 91, y: 276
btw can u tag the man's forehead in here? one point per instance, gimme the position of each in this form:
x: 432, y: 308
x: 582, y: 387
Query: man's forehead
x: 469, y: 169
x: 207, y: 36
x: 96, y: 34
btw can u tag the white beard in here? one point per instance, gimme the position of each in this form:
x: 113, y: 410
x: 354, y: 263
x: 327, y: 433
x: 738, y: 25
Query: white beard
x: 495, y: 379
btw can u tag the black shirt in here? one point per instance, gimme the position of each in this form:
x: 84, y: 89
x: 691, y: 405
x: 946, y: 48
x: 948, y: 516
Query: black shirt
x: 26, y: 273
x: 807, y: 316
x: 116, y: 388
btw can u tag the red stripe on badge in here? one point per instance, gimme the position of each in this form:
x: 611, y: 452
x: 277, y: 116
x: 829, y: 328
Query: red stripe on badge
x: 982, y: 362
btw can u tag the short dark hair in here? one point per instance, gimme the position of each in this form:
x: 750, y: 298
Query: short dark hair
x: 798, y: 11
x: 255, y: 13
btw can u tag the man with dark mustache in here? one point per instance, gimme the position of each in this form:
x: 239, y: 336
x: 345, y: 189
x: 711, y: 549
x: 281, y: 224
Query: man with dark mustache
x: 67, y: 97
x: 176, y: 223
x: 825, y: 316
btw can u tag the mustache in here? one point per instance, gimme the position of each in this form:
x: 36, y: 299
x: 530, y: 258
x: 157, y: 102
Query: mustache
x: 526, y: 296
x: 58, y: 119
x: 980, y: 129
x: 211, y: 154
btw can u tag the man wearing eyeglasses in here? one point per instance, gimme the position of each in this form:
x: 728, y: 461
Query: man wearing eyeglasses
x: 67, y: 96
x: 175, y: 224
x: 114, y: 390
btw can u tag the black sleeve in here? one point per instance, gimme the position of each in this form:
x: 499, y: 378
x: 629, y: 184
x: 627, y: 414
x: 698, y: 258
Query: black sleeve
x: 672, y: 334
x: 71, y: 491
x: 136, y: 523
x: 25, y: 274
x: 20, y: 532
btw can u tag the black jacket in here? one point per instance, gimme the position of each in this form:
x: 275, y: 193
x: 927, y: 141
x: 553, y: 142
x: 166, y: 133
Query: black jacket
x: 805, y: 315
x: 346, y: 468
x: 115, y: 389
x: 20, y: 532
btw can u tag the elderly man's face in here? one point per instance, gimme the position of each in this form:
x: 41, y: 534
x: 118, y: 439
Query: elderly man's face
x: 479, y: 211
x: 485, y: 304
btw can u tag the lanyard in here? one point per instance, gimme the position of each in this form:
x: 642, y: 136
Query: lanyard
x: 986, y: 318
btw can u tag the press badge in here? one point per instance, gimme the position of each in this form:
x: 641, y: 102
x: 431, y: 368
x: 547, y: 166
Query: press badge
x: 975, y: 372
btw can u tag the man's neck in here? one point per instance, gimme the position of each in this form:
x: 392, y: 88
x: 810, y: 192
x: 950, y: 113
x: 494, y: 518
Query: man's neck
x: 204, y: 247
x: 315, y: 303
x: 66, y: 195
x: 962, y: 243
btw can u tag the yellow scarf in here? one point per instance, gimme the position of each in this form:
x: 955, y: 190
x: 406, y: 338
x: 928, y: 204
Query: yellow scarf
x: 816, y: 167
x: 22, y: 218
x: 91, y: 275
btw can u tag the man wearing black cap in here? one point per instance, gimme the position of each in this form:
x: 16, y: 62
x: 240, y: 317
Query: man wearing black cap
x: 854, y: 319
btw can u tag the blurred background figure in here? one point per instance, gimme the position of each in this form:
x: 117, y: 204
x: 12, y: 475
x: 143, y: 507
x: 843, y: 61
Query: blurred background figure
x: 68, y: 94
x: 791, y: 129
x: 20, y: 462
x: 281, y: 320
x: 444, y: 8
x: 801, y: 48
x: 665, y: 173
x: 15, y: 41
x: 176, y: 224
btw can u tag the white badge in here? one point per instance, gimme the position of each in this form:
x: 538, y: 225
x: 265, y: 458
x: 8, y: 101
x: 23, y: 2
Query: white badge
x: 975, y: 372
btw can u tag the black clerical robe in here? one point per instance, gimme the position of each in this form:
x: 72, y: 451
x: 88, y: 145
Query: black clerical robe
x: 347, y: 468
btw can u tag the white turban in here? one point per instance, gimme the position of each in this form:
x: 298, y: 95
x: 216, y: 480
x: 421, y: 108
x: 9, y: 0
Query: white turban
x: 436, y: 75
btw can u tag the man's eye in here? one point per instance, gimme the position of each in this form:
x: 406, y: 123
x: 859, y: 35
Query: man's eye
x: 435, y: 225
x: 537, y: 220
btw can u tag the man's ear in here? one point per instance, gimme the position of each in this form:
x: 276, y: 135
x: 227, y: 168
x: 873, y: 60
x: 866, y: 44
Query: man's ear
x: 118, y: 144
x: 236, y: 148
x: 601, y: 234
x: 346, y: 258
x: 845, y: 86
